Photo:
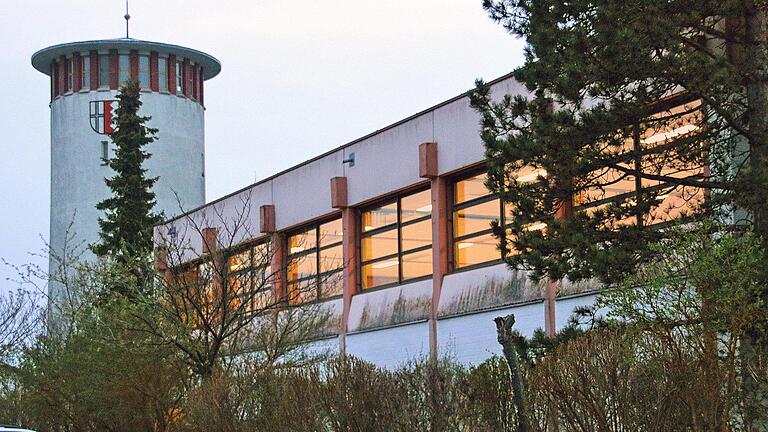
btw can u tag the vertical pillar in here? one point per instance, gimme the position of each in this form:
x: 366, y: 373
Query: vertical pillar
x: 154, y: 83
x: 77, y: 72
x: 62, y: 75
x: 134, y: 65
x: 114, y: 70
x: 200, y: 86
x: 440, y: 242
x: 94, y: 55
x: 171, y: 74
x: 349, y: 222
x: 267, y: 225
x: 54, y: 80
x: 185, y: 78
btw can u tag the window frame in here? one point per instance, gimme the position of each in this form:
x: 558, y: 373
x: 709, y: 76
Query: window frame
x: 454, y: 207
x: 144, y: 59
x: 320, y: 276
x: 254, y: 269
x: 85, y: 72
x: 162, y: 74
x: 397, y: 226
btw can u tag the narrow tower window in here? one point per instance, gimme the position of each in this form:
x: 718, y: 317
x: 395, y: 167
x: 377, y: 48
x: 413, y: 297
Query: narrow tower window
x: 144, y: 72
x: 105, y: 153
x: 125, y: 68
x: 103, y: 71
x: 70, y: 65
x: 179, y: 78
x: 85, y: 72
x: 162, y: 74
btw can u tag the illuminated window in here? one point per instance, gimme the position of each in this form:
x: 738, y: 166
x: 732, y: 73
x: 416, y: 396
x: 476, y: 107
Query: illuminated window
x: 616, y: 186
x: 103, y: 71
x: 315, y: 262
x: 85, y: 72
x: 396, y: 240
x: 144, y: 71
x: 124, y: 68
x: 475, y: 208
x: 162, y: 74
x: 250, y: 278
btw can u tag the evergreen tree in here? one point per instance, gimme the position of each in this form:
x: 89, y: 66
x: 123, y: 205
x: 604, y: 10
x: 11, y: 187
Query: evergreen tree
x: 668, y: 98
x: 126, y: 229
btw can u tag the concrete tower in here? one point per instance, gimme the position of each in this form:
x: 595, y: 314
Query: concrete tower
x: 172, y: 80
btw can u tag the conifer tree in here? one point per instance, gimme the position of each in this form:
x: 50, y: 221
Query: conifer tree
x: 126, y: 228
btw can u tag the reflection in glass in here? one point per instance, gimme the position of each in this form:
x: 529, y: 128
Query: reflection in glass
x: 380, y: 216
x: 331, y: 258
x: 381, y: 273
x: 476, y: 250
x: 331, y: 232
x: 416, y: 235
x: 476, y: 218
x: 379, y: 245
x: 471, y: 188
x: 417, y: 264
x: 302, y: 266
x: 416, y: 206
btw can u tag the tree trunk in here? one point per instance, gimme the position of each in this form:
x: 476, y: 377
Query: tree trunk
x: 506, y: 338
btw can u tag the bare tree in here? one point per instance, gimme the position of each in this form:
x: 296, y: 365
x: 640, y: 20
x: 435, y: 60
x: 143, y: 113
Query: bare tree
x: 20, y: 322
x: 220, y: 301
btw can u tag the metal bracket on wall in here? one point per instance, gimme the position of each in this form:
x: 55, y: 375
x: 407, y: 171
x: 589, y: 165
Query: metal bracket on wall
x: 349, y: 160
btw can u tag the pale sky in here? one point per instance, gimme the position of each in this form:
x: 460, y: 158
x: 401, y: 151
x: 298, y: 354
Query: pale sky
x: 298, y: 78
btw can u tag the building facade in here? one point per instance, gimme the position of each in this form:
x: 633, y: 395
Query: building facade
x: 172, y: 92
x: 396, y: 229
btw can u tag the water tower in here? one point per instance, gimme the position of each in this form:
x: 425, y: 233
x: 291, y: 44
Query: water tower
x: 85, y: 76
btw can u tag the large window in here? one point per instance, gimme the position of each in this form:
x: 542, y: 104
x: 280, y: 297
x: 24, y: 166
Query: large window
x: 124, y: 68
x: 85, y: 72
x: 144, y: 71
x: 475, y: 208
x: 250, y: 277
x: 396, y: 241
x: 70, y: 70
x: 103, y: 71
x: 162, y: 74
x: 315, y: 262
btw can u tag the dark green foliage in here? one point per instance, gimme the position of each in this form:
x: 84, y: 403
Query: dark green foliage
x: 599, y: 72
x: 126, y: 229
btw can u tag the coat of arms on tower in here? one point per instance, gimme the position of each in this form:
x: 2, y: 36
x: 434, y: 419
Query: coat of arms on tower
x: 103, y: 114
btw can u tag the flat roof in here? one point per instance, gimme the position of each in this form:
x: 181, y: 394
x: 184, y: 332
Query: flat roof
x: 42, y: 59
x: 332, y: 151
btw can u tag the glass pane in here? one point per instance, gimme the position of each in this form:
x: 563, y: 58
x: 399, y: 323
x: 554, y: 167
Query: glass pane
x: 417, y: 264
x: 302, y: 241
x: 103, y: 71
x: 239, y: 261
x: 475, y: 218
x: 476, y: 250
x: 331, y: 285
x: 379, y: 245
x: 262, y: 255
x: 302, y: 292
x: 125, y: 68
x: 162, y: 74
x: 416, y: 235
x: 528, y: 174
x: 416, y: 206
x: 379, y: 217
x: 380, y: 273
x: 144, y: 71
x: 262, y: 299
x: 302, y: 266
x: 613, y: 182
x: 471, y: 188
x: 331, y: 258
x: 179, y: 78
x: 331, y: 232
x: 85, y: 72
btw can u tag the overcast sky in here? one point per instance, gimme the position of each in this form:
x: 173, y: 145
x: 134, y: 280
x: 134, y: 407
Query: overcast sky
x: 298, y: 78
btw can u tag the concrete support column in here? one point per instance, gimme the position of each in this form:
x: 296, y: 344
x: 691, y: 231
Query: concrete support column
x: 134, y: 65
x: 94, y: 55
x: 267, y: 225
x: 550, y: 291
x: 114, y: 69
x: 349, y: 222
x: 201, y: 85
x: 153, y: 72
x: 440, y: 241
x: 171, y: 74
x: 77, y: 72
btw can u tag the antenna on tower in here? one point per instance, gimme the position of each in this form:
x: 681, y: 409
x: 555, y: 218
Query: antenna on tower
x: 127, y: 18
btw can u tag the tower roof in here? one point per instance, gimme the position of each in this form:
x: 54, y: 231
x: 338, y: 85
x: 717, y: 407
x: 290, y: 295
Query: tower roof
x: 42, y: 59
